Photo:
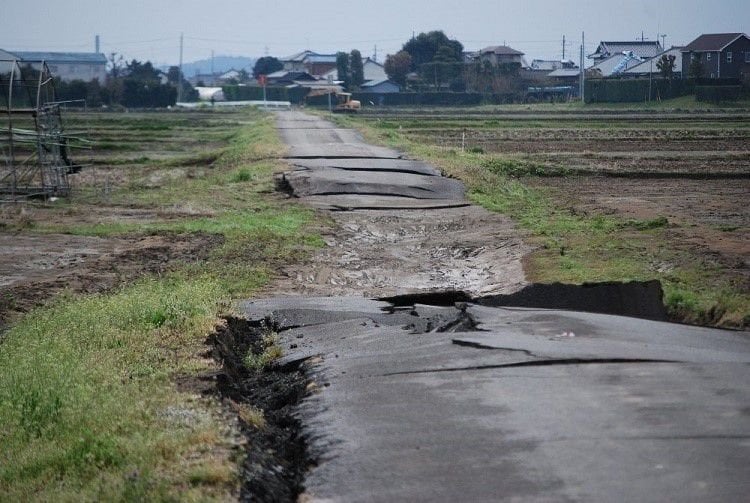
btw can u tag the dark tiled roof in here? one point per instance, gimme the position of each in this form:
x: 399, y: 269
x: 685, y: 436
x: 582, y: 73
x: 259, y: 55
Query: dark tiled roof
x: 501, y: 49
x: 61, y: 57
x: 712, y: 42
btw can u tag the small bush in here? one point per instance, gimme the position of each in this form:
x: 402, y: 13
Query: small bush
x: 241, y: 175
x: 518, y: 168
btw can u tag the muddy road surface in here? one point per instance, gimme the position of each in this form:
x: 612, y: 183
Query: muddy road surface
x: 424, y: 385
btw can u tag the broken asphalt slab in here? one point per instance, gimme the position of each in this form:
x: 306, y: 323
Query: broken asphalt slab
x: 352, y: 174
x: 520, y: 404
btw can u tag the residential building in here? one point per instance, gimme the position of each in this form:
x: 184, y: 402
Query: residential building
x: 284, y: 77
x: 69, y: 66
x: 615, y: 65
x: 722, y: 56
x: 310, y: 62
x: 649, y: 66
x: 546, y: 65
x: 381, y: 86
x: 640, y: 49
x: 372, y: 70
x: 500, y: 54
x: 565, y: 76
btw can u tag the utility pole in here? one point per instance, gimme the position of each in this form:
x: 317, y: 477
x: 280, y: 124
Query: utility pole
x: 213, y: 79
x: 375, y: 54
x: 96, y: 43
x: 583, y: 69
x: 563, y: 58
x: 179, y: 80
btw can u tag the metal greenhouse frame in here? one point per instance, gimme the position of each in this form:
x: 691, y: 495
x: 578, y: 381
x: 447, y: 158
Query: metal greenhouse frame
x: 34, y: 148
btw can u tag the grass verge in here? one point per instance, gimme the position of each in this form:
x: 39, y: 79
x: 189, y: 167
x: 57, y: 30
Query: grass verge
x: 89, y: 406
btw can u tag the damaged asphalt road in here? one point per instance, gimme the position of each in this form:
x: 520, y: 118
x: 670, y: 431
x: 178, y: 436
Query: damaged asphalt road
x: 442, y: 392
x: 476, y: 403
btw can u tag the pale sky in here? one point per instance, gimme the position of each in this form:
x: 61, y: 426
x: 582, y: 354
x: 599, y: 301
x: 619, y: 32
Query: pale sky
x: 150, y: 29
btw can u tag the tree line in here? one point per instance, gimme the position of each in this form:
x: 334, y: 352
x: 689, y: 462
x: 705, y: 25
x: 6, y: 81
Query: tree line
x: 132, y: 84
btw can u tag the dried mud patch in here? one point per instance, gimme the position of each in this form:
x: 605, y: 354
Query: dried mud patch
x: 265, y: 400
x: 36, y: 267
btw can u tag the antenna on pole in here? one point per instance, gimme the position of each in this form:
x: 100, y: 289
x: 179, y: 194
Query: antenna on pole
x: 663, y: 41
x: 375, y: 54
x: 179, y: 80
x: 96, y: 43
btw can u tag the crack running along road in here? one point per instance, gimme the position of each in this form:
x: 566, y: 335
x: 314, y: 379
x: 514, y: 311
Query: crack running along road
x: 418, y: 415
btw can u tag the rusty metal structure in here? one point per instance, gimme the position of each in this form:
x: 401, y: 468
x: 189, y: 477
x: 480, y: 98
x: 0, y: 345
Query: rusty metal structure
x: 34, y: 148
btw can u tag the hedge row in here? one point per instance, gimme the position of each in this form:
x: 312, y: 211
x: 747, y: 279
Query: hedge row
x: 421, y: 99
x: 251, y: 93
x: 630, y: 91
x: 716, y: 94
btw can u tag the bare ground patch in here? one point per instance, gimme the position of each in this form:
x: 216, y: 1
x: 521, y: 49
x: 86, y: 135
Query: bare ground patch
x: 36, y: 267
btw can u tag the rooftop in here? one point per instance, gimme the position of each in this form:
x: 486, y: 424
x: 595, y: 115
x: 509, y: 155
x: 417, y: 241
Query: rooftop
x: 713, y: 42
x: 501, y: 50
x: 61, y: 57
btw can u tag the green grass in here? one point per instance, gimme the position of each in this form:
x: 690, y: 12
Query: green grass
x: 89, y: 409
x: 86, y: 392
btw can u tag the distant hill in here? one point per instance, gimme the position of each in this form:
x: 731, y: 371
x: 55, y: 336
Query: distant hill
x: 221, y: 64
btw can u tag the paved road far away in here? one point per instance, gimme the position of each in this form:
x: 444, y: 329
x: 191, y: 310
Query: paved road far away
x: 458, y: 401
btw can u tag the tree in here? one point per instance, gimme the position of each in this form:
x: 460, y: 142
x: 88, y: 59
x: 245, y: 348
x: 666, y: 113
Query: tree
x: 356, y: 68
x: 266, y: 65
x: 141, y: 71
x: 695, y: 70
x: 115, y: 63
x: 173, y: 75
x: 424, y: 47
x: 665, y: 65
x: 397, y: 67
x: 342, y: 68
x: 243, y: 76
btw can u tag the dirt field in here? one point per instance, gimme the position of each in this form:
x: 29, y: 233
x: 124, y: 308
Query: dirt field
x: 139, y: 152
x: 688, y: 173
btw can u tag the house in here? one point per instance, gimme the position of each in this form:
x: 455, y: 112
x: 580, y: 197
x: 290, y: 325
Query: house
x: 565, y: 76
x: 372, y: 70
x: 381, y: 86
x: 649, y: 66
x: 546, y: 65
x: 500, y: 54
x: 310, y: 62
x: 722, y: 55
x: 640, y: 48
x: 284, y: 77
x: 68, y: 66
x: 615, y: 65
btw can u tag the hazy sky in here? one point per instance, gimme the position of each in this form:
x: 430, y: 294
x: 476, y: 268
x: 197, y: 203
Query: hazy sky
x: 150, y: 29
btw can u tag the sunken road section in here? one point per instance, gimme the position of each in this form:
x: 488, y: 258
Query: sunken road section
x: 400, y: 225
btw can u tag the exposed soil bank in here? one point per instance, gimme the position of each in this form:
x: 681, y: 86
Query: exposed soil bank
x: 277, y: 456
x: 638, y: 299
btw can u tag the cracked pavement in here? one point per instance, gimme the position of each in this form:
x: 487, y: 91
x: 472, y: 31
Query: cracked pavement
x: 465, y: 399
